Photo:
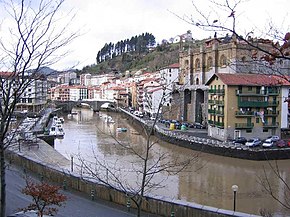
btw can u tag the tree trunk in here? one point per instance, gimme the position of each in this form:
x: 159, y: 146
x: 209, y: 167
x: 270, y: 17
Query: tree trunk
x: 3, y: 185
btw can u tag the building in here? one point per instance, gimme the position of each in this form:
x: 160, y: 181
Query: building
x: 247, y: 105
x: 204, y: 58
x: 30, y: 89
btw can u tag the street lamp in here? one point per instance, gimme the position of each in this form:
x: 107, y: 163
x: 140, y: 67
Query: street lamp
x: 72, y: 163
x: 235, y: 189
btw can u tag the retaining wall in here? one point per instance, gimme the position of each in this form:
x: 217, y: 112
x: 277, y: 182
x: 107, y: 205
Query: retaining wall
x: 212, y: 146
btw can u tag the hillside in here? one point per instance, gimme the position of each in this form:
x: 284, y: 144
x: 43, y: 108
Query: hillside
x: 162, y: 55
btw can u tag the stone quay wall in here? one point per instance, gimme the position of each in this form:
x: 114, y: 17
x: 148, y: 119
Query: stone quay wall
x: 208, y: 145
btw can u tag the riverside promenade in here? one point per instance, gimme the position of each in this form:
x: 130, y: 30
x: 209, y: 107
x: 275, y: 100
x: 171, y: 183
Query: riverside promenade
x: 47, y: 163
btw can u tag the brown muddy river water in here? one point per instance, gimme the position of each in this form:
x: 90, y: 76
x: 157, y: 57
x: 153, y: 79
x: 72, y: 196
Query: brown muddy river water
x: 207, y: 181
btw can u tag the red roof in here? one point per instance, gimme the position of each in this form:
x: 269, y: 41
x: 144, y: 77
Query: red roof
x: 175, y: 65
x: 251, y: 79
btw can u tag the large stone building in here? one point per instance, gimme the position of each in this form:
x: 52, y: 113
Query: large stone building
x: 217, y: 55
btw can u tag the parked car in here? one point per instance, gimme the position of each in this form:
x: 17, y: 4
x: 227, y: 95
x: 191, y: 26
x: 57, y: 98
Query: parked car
x: 280, y: 143
x: 268, y: 143
x: 167, y: 123
x: 253, y: 142
x: 198, y: 126
x: 240, y: 140
x: 188, y: 125
x: 273, y: 138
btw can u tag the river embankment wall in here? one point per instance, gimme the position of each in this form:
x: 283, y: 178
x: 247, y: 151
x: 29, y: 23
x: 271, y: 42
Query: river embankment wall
x: 208, y: 145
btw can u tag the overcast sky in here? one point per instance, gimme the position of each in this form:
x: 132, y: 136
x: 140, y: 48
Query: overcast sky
x: 104, y: 21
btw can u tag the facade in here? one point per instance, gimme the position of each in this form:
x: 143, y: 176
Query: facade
x: 78, y: 93
x: 247, y: 105
x: 153, y: 99
x: 32, y: 89
x: 217, y: 55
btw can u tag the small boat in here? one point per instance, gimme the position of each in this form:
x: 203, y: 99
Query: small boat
x: 121, y: 129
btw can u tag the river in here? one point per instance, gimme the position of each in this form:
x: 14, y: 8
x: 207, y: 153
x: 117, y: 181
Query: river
x: 206, y: 181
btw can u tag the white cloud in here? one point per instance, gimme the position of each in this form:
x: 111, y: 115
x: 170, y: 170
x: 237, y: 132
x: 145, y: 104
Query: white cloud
x: 104, y: 21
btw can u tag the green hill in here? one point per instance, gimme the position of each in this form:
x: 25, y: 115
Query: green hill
x: 162, y: 55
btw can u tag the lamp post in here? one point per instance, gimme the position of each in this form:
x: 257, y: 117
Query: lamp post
x: 72, y: 163
x: 235, y: 189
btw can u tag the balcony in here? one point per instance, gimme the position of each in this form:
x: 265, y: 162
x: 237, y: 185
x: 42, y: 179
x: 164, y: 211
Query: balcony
x: 252, y: 103
x: 257, y: 93
x: 219, y: 113
x: 273, y: 103
x: 245, y: 114
x: 217, y: 91
x: 244, y: 125
x: 216, y: 102
x: 271, y: 125
x: 211, y: 111
x: 215, y: 123
x: 273, y: 114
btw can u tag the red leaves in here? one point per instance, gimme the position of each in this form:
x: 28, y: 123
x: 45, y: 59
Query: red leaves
x: 43, y: 195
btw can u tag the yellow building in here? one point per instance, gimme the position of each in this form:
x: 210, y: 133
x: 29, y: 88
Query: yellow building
x: 247, y: 105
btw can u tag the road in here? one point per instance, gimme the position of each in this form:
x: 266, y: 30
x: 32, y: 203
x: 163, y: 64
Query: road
x: 77, y: 205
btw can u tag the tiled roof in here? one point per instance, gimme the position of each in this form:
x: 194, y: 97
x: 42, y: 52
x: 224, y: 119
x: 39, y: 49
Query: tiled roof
x: 175, y: 65
x: 252, y: 79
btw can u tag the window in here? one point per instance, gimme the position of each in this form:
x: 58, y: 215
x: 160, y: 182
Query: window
x: 209, y: 62
x: 197, y: 64
x: 249, y: 88
x: 257, y: 120
x: 197, y: 81
x: 223, y: 61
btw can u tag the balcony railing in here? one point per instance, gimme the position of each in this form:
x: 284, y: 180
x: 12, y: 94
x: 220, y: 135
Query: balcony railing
x: 271, y: 125
x: 216, y: 123
x: 220, y: 113
x: 271, y: 113
x: 244, y: 125
x: 252, y: 103
x: 217, y: 91
x: 257, y: 93
x: 217, y: 102
x: 244, y: 113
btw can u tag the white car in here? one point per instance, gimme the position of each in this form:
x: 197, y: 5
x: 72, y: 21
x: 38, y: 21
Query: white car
x: 273, y: 138
x: 268, y: 143
x: 253, y: 142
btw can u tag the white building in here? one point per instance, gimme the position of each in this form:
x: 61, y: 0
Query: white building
x: 169, y: 77
x: 153, y: 101
x: 78, y: 93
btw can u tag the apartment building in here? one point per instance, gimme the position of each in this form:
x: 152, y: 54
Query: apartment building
x: 248, y: 105
x: 32, y: 89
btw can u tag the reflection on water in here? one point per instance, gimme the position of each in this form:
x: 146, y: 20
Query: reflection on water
x: 207, y: 181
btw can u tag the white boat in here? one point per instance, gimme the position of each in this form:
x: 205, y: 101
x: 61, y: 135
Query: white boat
x: 121, y: 129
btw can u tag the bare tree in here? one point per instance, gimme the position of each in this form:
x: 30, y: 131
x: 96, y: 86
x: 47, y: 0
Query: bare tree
x: 222, y: 17
x: 273, y: 190
x: 35, y: 38
x: 147, y: 172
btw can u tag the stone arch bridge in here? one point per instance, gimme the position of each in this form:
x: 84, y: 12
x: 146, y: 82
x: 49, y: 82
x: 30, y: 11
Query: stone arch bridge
x: 95, y: 105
